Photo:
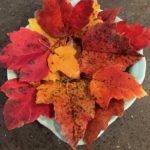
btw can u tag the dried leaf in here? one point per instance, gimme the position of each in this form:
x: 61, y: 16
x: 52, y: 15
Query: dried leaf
x: 138, y: 35
x: 73, y: 105
x: 60, y: 18
x: 101, y: 119
x: 91, y: 61
x: 64, y: 60
x: 93, y: 19
x: 34, y: 26
x: 27, y: 54
x: 103, y: 38
x: 109, y: 14
x: 111, y: 82
x: 52, y: 77
x: 20, y: 108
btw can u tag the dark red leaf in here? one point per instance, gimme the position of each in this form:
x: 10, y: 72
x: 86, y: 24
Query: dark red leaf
x: 51, y: 18
x: 109, y: 14
x: 20, y: 107
x: 59, y: 18
x: 80, y: 15
x: 100, y: 122
x: 27, y: 54
x: 103, y: 38
x: 138, y: 35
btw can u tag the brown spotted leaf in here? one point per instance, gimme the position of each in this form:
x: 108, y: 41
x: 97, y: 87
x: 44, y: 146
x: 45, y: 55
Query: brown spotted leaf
x: 91, y: 61
x: 103, y: 38
x: 72, y: 104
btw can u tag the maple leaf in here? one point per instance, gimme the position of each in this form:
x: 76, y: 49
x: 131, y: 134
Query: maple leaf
x: 111, y: 82
x: 138, y: 35
x: 93, y: 19
x: 91, y: 61
x: 103, y: 38
x: 101, y: 120
x: 64, y: 60
x: 60, y: 18
x: 72, y: 104
x: 109, y: 14
x: 20, y: 108
x: 34, y: 26
x: 27, y: 53
x: 52, y: 76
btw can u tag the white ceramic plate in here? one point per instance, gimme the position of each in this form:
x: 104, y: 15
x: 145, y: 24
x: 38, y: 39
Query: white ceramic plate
x: 138, y: 70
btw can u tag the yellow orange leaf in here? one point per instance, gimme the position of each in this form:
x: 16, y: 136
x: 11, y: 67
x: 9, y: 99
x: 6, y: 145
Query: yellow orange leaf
x: 73, y: 105
x: 52, y: 77
x: 111, y: 82
x: 34, y: 26
x: 64, y: 61
x: 49, y: 92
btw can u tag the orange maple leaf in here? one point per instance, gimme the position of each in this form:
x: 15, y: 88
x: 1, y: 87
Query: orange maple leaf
x: 111, y: 82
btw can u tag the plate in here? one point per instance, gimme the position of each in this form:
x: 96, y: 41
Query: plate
x: 138, y: 70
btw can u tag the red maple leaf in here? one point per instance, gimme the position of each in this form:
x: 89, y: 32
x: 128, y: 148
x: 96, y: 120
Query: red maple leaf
x: 138, y: 35
x: 20, y: 108
x: 27, y: 54
x: 100, y: 122
x: 103, y: 38
x: 59, y: 18
x: 109, y: 14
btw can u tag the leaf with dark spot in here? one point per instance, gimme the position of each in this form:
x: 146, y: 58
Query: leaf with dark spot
x: 103, y: 38
x: 27, y: 55
x: 73, y: 106
x: 20, y: 108
x: 91, y: 61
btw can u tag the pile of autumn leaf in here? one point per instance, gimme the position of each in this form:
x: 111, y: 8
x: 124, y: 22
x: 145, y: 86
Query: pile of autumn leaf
x: 71, y: 64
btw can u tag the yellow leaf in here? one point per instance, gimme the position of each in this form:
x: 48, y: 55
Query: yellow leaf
x: 49, y: 92
x: 34, y: 26
x: 64, y: 61
x: 52, y: 77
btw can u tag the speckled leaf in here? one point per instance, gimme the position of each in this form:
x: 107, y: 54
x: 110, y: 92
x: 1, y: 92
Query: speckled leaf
x: 103, y: 38
x: 72, y: 104
x: 91, y: 61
